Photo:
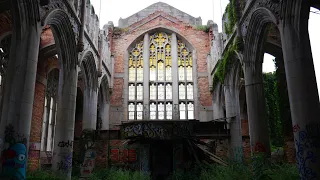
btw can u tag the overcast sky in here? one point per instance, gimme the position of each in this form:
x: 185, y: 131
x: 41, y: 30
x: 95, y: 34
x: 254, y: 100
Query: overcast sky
x: 112, y: 10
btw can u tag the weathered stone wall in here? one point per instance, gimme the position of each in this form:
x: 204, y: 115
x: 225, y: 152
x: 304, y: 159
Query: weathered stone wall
x: 160, y: 6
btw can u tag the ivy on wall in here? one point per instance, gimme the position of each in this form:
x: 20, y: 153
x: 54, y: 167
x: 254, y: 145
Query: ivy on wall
x: 223, y: 65
x: 231, y: 12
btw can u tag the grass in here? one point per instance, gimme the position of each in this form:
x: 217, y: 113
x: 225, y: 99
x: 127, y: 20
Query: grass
x: 262, y: 170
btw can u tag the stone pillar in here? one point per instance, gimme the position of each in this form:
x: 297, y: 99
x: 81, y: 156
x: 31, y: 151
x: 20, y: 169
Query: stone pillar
x: 18, y: 94
x: 233, y: 117
x: 303, y: 96
x: 175, y: 86
x: 256, y: 107
x: 63, y: 144
x: 89, y: 125
x: 104, y: 115
x: 217, y: 103
x: 90, y: 109
x: 146, y: 77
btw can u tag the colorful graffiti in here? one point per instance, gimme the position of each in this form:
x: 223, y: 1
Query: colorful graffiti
x: 306, y: 142
x: 295, y: 128
x: 154, y: 130
x: 88, y: 163
x: 65, y: 164
x: 14, y: 164
x: 123, y: 155
x: 14, y: 158
x: 237, y: 153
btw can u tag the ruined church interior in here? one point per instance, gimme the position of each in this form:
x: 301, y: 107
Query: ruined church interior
x: 159, y: 92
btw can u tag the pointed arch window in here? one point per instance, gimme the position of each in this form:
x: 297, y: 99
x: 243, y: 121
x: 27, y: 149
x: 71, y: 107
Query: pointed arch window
x: 50, y: 111
x: 135, y: 105
x: 185, y: 64
x: 160, y: 86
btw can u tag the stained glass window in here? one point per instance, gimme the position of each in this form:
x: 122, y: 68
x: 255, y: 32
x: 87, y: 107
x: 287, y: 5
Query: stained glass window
x: 182, y: 109
x: 139, y: 111
x: 168, y: 91
x: 131, y: 111
x: 153, y: 92
x: 169, y: 110
x: 189, y: 91
x: 139, y: 92
x: 160, y: 79
x: 135, y: 109
x: 161, y: 111
x: 190, y: 110
x: 185, y: 78
x: 161, y: 92
x: 132, y: 91
x: 153, y: 111
x: 182, y: 91
x: 140, y: 74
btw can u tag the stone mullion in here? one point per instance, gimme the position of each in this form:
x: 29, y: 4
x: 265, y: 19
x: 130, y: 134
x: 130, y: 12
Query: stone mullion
x: 175, y: 79
x: 146, y: 77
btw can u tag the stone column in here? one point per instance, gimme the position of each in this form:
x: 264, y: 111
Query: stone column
x: 217, y: 103
x: 18, y: 94
x: 63, y: 144
x: 175, y: 85
x: 90, y: 109
x: 146, y: 77
x: 303, y: 96
x: 104, y: 115
x: 233, y: 117
x: 256, y: 107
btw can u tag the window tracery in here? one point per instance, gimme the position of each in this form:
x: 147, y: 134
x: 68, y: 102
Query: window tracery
x: 160, y: 103
x: 135, y: 106
x: 50, y: 111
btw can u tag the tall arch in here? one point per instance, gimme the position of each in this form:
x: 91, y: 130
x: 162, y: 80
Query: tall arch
x: 160, y: 52
x: 253, y: 58
x: 89, y: 69
x: 103, y: 105
x: 66, y: 47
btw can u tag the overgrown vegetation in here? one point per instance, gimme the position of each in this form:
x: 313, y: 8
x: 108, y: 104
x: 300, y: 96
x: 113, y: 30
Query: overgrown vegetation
x: 231, y: 12
x: 225, y: 63
x: 203, y: 28
x: 263, y: 170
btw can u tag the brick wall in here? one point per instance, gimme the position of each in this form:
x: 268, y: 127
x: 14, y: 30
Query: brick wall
x: 36, y: 125
x: 197, y: 38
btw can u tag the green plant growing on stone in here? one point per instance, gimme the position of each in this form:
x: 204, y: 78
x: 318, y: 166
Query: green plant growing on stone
x: 231, y: 12
x: 203, y: 28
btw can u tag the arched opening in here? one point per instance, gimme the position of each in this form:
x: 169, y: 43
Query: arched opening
x: 161, y: 83
x: 103, y: 115
x: 314, y: 29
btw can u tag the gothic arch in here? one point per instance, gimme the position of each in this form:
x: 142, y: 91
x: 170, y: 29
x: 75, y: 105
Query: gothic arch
x: 161, y: 29
x: 64, y: 37
x: 103, y: 104
x: 255, y: 36
x: 88, y: 66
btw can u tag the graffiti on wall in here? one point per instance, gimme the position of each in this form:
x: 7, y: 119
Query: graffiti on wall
x: 146, y: 129
x: 14, y: 157
x: 154, y: 130
x: 65, y: 164
x: 259, y: 147
x: 88, y: 163
x: 306, y: 142
x: 65, y: 144
x: 237, y: 153
x: 123, y: 155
